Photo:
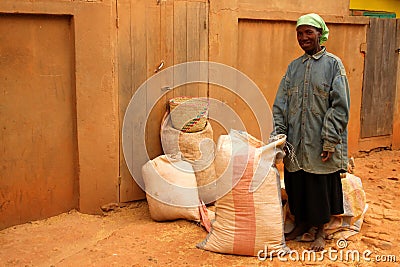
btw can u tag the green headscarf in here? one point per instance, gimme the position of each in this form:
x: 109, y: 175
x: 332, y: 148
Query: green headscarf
x: 315, y: 20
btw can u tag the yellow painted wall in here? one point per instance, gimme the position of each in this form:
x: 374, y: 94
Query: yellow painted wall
x: 377, y: 5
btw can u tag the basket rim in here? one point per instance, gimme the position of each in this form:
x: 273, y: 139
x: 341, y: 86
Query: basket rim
x: 176, y: 100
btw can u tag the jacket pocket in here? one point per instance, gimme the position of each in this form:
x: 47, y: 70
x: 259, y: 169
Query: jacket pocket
x: 320, y: 99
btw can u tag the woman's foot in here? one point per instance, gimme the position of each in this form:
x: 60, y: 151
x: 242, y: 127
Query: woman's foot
x: 300, y: 229
x: 319, y: 242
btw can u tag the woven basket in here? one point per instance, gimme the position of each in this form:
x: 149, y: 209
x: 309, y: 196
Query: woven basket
x: 188, y: 114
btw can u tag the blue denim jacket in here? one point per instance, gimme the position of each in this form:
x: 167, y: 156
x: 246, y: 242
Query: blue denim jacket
x: 312, y: 108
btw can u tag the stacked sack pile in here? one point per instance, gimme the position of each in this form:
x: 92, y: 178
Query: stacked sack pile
x: 181, y: 181
x: 186, y: 130
x: 242, y: 179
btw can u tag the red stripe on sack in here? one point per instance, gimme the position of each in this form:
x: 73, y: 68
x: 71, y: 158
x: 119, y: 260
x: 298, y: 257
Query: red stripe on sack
x: 245, y: 217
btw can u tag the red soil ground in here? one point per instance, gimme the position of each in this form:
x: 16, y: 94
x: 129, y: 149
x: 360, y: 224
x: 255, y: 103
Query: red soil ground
x: 128, y: 237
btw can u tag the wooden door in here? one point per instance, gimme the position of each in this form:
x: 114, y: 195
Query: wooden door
x: 379, y: 88
x: 152, y: 34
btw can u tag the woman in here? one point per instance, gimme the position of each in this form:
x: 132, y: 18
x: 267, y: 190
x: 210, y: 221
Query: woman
x: 312, y: 108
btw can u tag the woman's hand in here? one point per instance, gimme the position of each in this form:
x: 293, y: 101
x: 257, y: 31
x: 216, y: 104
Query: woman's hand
x: 326, y: 155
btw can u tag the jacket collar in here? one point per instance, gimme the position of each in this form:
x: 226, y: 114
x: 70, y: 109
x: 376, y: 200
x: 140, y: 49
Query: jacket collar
x: 316, y: 56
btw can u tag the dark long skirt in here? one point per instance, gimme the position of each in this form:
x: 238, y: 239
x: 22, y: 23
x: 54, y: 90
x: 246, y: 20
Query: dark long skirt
x: 313, y: 198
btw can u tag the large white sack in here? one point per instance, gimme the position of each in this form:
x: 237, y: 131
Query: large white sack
x: 171, y: 189
x: 248, y: 219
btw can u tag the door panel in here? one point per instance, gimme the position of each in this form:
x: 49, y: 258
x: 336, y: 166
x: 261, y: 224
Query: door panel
x: 151, y: 34
x: 38, y: 142
x: 379, y: 79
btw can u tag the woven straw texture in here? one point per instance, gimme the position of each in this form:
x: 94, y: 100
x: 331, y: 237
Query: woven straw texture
x: 188, y: 114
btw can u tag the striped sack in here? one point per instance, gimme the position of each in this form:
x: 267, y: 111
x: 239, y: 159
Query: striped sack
x: 249, y: 216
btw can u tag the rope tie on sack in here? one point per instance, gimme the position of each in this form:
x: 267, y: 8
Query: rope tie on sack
x: 291, y: 153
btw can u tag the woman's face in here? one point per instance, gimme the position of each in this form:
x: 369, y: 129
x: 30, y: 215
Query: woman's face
x: 308, y: 38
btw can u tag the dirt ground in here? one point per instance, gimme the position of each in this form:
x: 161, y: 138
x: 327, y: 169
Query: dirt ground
x: 128, y: 237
